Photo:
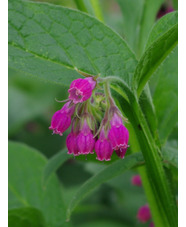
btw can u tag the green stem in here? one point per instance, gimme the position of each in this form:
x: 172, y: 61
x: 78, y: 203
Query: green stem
x: 81, y: 5
x: 161, y: 200
x: 157, y: 177
x: 97, y: 9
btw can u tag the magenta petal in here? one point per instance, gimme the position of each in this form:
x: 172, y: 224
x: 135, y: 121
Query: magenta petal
x: 136, y: 180
x: 72, y: 144
x: 81, y: 90
x: 118, y: 137
x: 85, y: 143
x: 103, y: 150
x: 121, y: 152
x: 144, y: 214
x: 60, y: 122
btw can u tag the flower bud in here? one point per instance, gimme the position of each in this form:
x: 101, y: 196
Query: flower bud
x: 61, y: 120
x: 136, y: 180
x: 103, y: 147
x: 85, y: 139
x: 118, y: 136
x: 81, y: 89
x: 144, y: 214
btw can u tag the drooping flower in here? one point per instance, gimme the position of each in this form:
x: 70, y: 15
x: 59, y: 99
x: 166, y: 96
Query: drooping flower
x: 61, y: 119
x: 85, y: 139
x: 103, y: 147
x: 81, y: 89
x: 136, y: 180
x: 118, y: 136
x: 144, y: 214
x: 71, y: 143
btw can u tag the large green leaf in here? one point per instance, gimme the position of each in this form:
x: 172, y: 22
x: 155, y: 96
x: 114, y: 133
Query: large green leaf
x: 162, y: 26
x: 139, y: 16
x: 154, y: 56
x: 170, y: 153
x: 26, y: 167
x: 25, y: 217
x: 49, y: 41
x: 164, y: 82
x: 164, y: 85
x: 104, y: 175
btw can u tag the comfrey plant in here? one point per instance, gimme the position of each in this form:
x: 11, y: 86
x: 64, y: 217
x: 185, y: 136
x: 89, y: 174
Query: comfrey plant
x: 96, y: 125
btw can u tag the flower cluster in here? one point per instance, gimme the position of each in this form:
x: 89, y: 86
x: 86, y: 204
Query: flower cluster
x: 97, y: 123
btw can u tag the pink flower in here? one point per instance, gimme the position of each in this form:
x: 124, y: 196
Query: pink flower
x: 72, y: 144
x: 118, y: 136
x: 103, y: 147
x: 136, y: 180
x: 61, y: 120
x: 85, y: 140
x: 144, y: 214
x: 81, y: 89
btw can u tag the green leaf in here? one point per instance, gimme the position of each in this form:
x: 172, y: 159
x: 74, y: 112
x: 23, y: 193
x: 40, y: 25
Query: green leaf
x: 148, y: 109
x: 24, y: 217
x: 26, y: 167
x: 170, y: 154
x: 54, y: 163
x: 49, y: 42
x: 164, y: 84
x: 160, y: 197
x: 104, y: 175
x: 137, y: 24
x: 154, y: 56
x: 162, y: 26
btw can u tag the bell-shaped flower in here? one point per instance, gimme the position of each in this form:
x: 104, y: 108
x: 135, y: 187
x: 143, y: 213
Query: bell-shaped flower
x: 85, y: 139
x: 61, y: 119
x: 81, y: 89
x: 103, y: 147
x: 118, y: 136
x: 71, y: 143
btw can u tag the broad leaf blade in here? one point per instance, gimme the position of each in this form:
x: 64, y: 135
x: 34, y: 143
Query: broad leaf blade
x: 154, y: 56
x: 166, y: 86
x: 24, y: 217
x: 164, y: 82
x: 170, y: 155
x: 49, y: 41
x: 104, y: 175
x: 162, y: 26
x: 26, y: 167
